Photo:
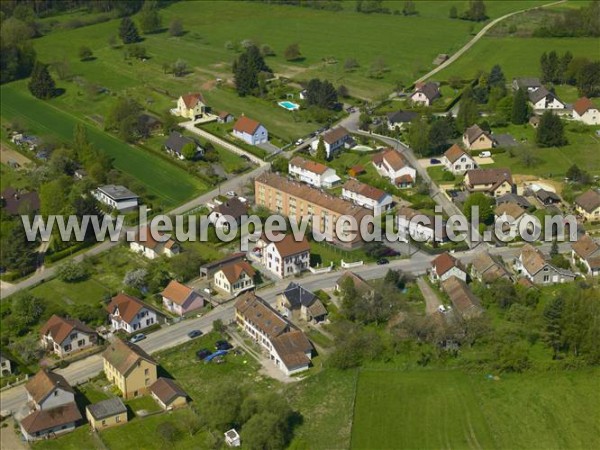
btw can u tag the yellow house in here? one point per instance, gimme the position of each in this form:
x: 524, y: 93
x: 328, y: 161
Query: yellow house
x: 129, y: 368
x: 191, y: 106
x: 107, y: 413
x: 475, y: 138
x: 168, y: 394
x: 588, y: 205
x: 495, y: 182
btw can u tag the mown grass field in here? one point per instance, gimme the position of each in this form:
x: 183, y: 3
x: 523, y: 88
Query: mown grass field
x: 518, y: 57
x: 168, y: 183
x: 450, y: 409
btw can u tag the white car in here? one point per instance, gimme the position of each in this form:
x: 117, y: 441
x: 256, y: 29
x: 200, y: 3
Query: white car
x: 299, y: 141
x: 485, y: 154
x: 230, y: 194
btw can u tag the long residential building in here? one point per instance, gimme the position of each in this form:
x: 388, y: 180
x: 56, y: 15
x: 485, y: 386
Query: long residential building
x: 297, y: 200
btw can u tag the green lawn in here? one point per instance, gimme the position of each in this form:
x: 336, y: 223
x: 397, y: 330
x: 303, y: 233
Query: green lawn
x: 145, y: 403
x: 450, y: 409
x: 66, y: 295
x: 81, y: 438
x: 327, y: 253
x: 438, y: 174
x: 168, y: 183
x: 518, y: 57
x: 553, y: 162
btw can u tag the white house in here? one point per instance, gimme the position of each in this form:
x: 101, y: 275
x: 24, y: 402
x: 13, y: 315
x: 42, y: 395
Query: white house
x: 586, y: 112
x: 397, y: 120
x: 420, y: 227
x: 367, y: 196
x: 457, y: 161
x: 542, y: 98
x: 176, y: 142
x: 130, y: 314
x: 286, y: 346
x: 446, y: 266
x: 285, y: 257
x: 527, y: 84
x: 181, y: 299
x: 533, y: 265
x: 587, y: 252
x: 191, y: 106
x: 234, y: 278
x: 117, y: 197
x: 392, y: 165
x: 333, y: 140
x: 53, y: 410
x: 511, y: 215
x: 146, y: 245
x: 425, y: 93
x: 313, y: 173
x: 64, y: 336
x: 227, y: 212
x: 250, y: 131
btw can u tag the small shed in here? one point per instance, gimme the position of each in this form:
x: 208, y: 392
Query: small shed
x: 168, y: 394
x: 107, y: 413
x: 232, y: 438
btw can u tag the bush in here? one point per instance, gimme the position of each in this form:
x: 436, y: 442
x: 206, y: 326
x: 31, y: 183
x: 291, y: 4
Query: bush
x: 71, y: 272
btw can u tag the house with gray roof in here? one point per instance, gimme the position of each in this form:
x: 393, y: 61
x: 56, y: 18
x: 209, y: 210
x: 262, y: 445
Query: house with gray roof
x: 117, y: 197
x: 296, y: 301
x: 542, y: 98
x: 176, y: 142
x: 107, y: 413
x: 398, y: 119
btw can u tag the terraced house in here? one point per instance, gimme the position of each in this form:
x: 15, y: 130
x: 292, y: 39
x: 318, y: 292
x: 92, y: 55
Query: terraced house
x: 285, y: 345
x: 297, y: 200
x: 129, y: 368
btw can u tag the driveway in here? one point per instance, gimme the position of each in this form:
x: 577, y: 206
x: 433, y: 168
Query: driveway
x: 432, y: 301
x: 272, y: 149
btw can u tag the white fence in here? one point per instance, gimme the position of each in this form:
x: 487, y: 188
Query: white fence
x: 321, y: 270
x: 347, y: 265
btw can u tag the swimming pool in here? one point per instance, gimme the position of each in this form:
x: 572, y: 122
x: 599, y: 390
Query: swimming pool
x: 289, y: 105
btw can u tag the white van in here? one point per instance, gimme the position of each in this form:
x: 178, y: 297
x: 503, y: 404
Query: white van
x: 485, y: 154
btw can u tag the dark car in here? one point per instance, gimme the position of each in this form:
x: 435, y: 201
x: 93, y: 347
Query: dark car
x: 434, y: 161
x: 203, y: 353
x: 194, y: 334
x: 245, y: 157
x: 223, y: 345
x: 382, y: 261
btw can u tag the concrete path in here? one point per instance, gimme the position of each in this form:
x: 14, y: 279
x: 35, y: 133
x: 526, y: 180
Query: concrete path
x: 432, y: 301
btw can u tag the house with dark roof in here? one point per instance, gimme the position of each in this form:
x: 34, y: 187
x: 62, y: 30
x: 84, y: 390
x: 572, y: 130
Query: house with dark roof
x: 176, y: 142
x: 542, y: 98
x: 495, y: 182
x: 333, y: 139
x: 359, y: 283
x: 180, y: 299
x: 228, y: 212
x: 312, y: 172
x: 367, y: 196
x: 397, y: 120
x: 514, y: 198
x: 16, y: 202
x: 150, y: 125
x: 117, y: 197
x: 586, y: 251
x: 532, y: 264
x: 168, y: 394
x: 234, y: 278
x: 297, y: 302
x: 445, y: 266
x: 209, y: 269
x: 225, y: 117
x: 457, y: 161
x: 528, y: 84
x: 107, y: 413
x: 488, y: 269
x: 150, y: 247
x: 425, y: 93
x: 130, y: 314
x: 286, y: 346
x: 250, y: 131
x: 51, y: 402
x: 586, y: 112
x: 284, y: 256
x: 64, y: 336
x: 588, y: 205
x: 474, y: 138
x: 463, y: 300
x: 129, y: 368
x: 392, y: 165
x: 191, y: 106
x: 546, y: 197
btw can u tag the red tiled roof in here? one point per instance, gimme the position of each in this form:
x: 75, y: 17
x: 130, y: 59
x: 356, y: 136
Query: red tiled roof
x: 311, y: 166
x: 582, y: 105
x: 395, y: 160
x: 335, y: 135
x: 454, y: 153
x: 45, y: 419
x: 234, y: 271
x: 246, y: 125
x: 191, y: 100
x: 44, y: 382
x: 128, y: 306
x: 589, y: 200
x: 444, y: 262
x: 176, y: 292
x: 167, y: 390
x: 260, y: 314
x: 364, y: 189
x: 288, y: 246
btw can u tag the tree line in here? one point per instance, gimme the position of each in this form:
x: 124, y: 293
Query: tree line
x: 572, y: 22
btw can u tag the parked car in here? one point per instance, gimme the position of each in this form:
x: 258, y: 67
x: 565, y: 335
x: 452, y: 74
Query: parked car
x: 203, y: 353
x: 230, y: 194
x: 194, y: 334
x: 485, y: 154
x: 382, y: 261
x: 137, y: 338
x: 245, y: 157
x: 223, y: 345
x: 434, y: 161
x: 300, y: 142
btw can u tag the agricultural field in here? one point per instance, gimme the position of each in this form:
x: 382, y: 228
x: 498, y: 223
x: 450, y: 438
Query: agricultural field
x: 451, y: 409
x: 520, y: 57
x: 168, y: 183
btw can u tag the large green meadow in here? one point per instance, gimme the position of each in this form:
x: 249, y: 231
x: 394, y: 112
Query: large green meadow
x: 450, y: 409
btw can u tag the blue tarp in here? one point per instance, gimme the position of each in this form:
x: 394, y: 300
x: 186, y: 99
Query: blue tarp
x: 214, y: 355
